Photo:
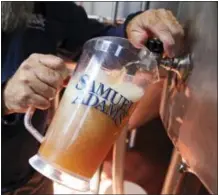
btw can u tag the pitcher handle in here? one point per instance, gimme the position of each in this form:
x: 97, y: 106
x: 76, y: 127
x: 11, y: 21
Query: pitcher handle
x: 28, y: 124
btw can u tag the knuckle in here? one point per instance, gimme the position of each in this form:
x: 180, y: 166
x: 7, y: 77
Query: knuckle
x: 24, y: 80
x: 161, y: 10
x: 23, y: 77
x: 169, y: 12
x: 150, y: 11
x: 52, y: 75
x: 56, y: 60
x: 147, y: 13
x: 33, y: 56
x: 161, y: 27
x: 26, y: 66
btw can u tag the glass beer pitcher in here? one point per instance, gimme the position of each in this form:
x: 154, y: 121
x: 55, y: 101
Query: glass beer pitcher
x: 109, y: 80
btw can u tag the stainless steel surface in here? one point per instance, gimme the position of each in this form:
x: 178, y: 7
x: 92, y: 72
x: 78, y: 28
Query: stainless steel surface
x: 183, y: 167
x: 145, y: 5
x: 173, y: 177
x: 189, y: 107
x: 132, y: 138
x: 178, y: 180
x: 119, y: 151
x: 189, y: 184
x: 115, y: 10
x: 105, y: 9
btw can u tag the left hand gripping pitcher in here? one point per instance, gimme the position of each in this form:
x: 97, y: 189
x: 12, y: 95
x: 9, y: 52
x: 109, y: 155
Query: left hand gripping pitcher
x: 109, y: 80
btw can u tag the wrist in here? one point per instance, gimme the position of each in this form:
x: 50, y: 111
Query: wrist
x: 5, y: 110
x: 8, y: 117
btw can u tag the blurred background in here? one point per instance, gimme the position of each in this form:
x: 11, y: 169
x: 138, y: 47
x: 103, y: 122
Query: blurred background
x: 120, y: 10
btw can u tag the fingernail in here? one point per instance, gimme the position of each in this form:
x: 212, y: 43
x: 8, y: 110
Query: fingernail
x: 167, y: 38
x: 169, y: 48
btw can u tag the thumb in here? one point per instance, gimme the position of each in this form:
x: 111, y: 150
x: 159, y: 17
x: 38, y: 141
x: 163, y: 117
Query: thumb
x: 138, y: 38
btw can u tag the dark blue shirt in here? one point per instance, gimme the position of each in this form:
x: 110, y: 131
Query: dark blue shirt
x: 66, y: 22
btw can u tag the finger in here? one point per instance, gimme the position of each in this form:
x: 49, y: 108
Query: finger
x: 55, y: 63
x: 153, y: 23
x: 175, y: 28
x: 48, y: 76
x: 136, y: 33
x: 138, y: 38
x: 50, y: 61
x: 65, y: 73
x: 164, y: 34
x: 38, y: 102
x: 169, y: 19
x: 41, y: 88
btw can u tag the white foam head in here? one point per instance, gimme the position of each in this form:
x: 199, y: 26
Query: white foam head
x: 129, y: 91
x: 115, y: 79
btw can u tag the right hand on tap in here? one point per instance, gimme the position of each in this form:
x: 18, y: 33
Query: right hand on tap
x: 35, y: 83
x: 158, y: 23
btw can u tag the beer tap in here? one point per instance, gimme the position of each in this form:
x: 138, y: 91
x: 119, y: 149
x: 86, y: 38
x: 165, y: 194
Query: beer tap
x: 151, y: 53
x: 154, y: 50
x: 182, y: 65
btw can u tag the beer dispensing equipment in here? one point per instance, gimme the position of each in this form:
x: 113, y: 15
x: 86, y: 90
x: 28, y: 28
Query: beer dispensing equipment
x: 179, y: 65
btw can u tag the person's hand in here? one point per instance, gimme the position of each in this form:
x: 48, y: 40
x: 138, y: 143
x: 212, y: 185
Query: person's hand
x: 35, y: 83
x: 158, y: 23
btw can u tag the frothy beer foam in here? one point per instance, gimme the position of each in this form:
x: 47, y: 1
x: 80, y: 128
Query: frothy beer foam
x: 129, y: 90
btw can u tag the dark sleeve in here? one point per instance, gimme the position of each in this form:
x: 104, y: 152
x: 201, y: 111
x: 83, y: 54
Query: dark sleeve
x: 69, y: 23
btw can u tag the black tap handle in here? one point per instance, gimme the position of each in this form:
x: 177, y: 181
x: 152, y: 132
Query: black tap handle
x: 155, y: 45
